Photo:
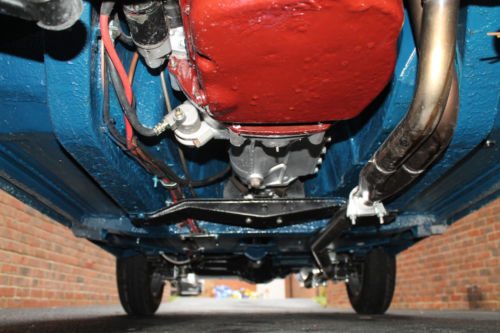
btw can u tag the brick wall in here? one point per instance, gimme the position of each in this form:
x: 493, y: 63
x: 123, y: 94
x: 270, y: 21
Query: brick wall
x: 457, y: 270
x: 43, y: 265
x: 294, y: 290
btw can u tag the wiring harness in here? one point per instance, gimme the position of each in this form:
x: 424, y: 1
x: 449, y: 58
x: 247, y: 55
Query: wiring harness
x: 122, y: 82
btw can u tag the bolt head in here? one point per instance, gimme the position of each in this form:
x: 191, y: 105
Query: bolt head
x: 179, y: 114
x: 173, y: 64
x: 200, y: 98
x: 255, y: 181
x: 353, y: 220
x: 248, y: 220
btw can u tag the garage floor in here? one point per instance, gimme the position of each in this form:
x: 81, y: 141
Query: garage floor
x: 228, y: 315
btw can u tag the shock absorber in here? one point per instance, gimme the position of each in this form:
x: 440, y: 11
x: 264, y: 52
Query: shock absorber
x: 149, y: 30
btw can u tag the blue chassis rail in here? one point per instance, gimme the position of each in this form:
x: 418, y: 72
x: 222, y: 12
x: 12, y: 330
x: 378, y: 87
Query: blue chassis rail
x: 56, y: 155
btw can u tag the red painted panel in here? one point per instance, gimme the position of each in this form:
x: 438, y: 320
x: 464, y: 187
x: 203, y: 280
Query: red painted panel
x: 289, y: 61
x: 186, y: 76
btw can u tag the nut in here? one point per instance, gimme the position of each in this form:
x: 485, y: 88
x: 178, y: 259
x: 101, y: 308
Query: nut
x: 179, y: 115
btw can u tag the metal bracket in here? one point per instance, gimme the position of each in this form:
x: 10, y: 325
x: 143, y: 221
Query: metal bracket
x: 255, y: 213
x: 360, y: 205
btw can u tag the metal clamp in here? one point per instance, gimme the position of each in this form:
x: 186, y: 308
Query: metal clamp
x: 360, y: 205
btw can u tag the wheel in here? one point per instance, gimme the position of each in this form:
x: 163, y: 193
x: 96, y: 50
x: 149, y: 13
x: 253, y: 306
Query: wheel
x: 370, y: 291
x: 140, y: 288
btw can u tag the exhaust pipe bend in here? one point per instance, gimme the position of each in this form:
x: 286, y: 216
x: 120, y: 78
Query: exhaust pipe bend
x: 436, y: 144
x: 430, y: 150
x: 425, y: 131
x: 435, y: 68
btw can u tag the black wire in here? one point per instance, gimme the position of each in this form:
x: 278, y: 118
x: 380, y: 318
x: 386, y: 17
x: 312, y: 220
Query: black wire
x: 171, y: 175
x: 186, y: 171
x: 107, y: 7
x: 122, y: 36
x: 162, y: 169
x: 188, y: 177
x: 129, y: 111
x: 109, y: 122
x: 106, y: 118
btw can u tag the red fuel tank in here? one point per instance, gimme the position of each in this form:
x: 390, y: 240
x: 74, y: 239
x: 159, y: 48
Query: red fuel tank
x: 289, y: 61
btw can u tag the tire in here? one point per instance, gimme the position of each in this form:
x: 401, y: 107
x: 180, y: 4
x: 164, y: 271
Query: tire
x: 139, y: 287
x: 371, y: 292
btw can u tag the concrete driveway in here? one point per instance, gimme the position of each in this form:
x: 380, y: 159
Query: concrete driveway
x: 227, y: 315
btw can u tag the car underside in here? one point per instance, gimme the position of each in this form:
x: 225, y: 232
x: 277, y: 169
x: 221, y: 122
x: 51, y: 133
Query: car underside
x: 253, y: 138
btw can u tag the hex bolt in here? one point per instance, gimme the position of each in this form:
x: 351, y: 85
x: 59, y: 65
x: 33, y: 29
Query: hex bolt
x: 353, y: 220
x: 489, y: 143
x: 200, y: 98
x: 179, y: 115
x: 248, y: 220
x: 173, y: 64
x: 255, y: 181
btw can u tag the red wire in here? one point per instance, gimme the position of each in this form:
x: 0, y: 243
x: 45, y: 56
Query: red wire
x: 197, y: 227
x: 108, y: 44
x: 194, y: 228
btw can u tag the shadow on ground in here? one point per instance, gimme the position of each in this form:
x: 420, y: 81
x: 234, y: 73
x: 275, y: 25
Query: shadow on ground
x: 284, y: 319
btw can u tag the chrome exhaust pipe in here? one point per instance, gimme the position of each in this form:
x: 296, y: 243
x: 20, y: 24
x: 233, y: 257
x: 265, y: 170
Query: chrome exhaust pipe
x: 437, y: 40
x: 438, y: 142
x: 425, y: 131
